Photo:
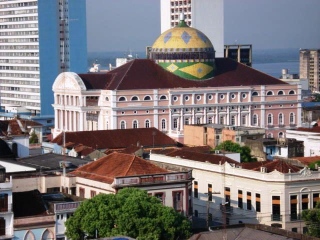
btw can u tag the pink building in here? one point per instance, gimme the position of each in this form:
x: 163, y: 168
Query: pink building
x: 182, y: 83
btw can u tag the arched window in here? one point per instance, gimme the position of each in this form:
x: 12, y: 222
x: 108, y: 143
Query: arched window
x: 255, y: 94
x: 269, y: 93
x: 163, y: 97
x: 147, y: 123
x: 209, y: 119
x: 107, y: 99
x: 47, y: 235
x: 280, y: 92
x: 270, y: 119
x: 134, y: 98
x: 163, y: 124
x: 269, y: 135
x: 122, y: 125
x: 291, y: 92
x: 135, y: 124
x: 255, y: 119
x: 281, y: 118
x: 292, y: 118
x: 244, y: 119
x: 122, y: 99
x: 186, y: 121
x: 281, y: 134
x: 198, y: 120
x: 147, y: 98
x: 29, y: 236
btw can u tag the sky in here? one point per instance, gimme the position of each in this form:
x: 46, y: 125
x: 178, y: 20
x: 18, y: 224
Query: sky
x: 123, y: 25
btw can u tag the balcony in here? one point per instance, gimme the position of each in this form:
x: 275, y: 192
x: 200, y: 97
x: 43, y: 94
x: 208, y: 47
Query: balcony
x: 281, y: 125
x: 276, y: 217
x: 270, y: 126
x: 292, y: 125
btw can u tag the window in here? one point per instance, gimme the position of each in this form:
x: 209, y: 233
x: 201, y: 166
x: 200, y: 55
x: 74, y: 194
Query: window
x: 175, y: 123
x: 147, y: 98
x: 177, y: 201
x: 198, y: 120
x: 198, y: 97
x: 240, y: 203
x: 270, y: 119
x: 292, y: 92
x: 210, y: 192
x: 3, y: 202
x: 81, y: 192
x: 163, y: 124
x: 258, y: 202
x: 249, y: 206
x: 221, y: 96
x: 244, y: 120
x: 255, y: 119
x: 292, y: 118
x: 147, y: 123
x: 186, y: 121
x: 227, y: 195
x: 244, y: 96
x: 276, y: 209
x: 186, y: 98
x: 210, y: 97
x: 281, y: 118
x: 221, y: 119
x: 280, y: 93
x: 135, y: 124
x: 209, y: 119
x: 281, y: 135
x: 134, y: 98
x: 196, y: 214
x: 233, y: 120
x: 175, y: 98
x: 269, y: 93
x: 121, y: 99
x: 107, y: 99
x: 255, y: 94
x: 160, y: 196
x: 233, y: 96
x: 293, y: 208
x: 315, y: 199
x: 305, y: 201
x: 195, y: 189
x: 163, y: 97
x: 122, y: 125
x: 294, y: 229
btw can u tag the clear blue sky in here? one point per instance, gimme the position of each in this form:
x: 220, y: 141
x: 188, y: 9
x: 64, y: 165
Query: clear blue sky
x: 120, y: 25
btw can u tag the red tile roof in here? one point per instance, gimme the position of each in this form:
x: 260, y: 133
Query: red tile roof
x: 146, y: 74
x: 308, y: 160
x: 200, y: 157
x: 313, y: 129
x: 270, y: 166
x: 16, y: 126
x: 116, y: 164
x: 118, y: 138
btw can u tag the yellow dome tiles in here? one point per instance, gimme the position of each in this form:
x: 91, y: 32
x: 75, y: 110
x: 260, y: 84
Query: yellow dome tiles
x: 183, y: 37
x: 198, y: 70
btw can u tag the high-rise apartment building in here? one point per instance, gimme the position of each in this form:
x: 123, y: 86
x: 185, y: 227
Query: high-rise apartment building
x: 310, y: 67
x: 39, y: 39
x: 205, y: 15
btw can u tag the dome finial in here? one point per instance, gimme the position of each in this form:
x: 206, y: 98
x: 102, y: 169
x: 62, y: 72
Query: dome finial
x: 182, y: 23
x: 181, y: 18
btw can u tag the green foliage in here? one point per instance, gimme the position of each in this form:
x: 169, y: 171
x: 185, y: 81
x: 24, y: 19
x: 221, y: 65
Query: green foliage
x: 131, y: 213
x: 312, y: 218
x: 245, y: 151
x: 33, y: 138
x: 312, y: 166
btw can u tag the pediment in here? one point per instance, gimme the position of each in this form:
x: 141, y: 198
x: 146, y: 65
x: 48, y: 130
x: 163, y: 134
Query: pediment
x: 69, y: 81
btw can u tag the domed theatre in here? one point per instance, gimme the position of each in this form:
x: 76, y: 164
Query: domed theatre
x: 185, y: 51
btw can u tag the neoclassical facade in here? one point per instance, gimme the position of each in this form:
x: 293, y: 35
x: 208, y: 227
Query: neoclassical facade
x: 181, y: 83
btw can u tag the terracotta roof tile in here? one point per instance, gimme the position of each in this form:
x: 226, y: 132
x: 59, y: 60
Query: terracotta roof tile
x: 146, y: 74
x: 118, y: 138
x: 270, y: 166
x: 308, y: 160
x: 313, y: 129
x: 116, y: 164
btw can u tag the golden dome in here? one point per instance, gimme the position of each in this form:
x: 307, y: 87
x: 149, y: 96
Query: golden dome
x: 182, y: 37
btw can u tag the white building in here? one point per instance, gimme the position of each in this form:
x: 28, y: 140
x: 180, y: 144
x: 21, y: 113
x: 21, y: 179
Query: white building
x: 272, y: 193
x: 310, y: 137
x: 205, y: 15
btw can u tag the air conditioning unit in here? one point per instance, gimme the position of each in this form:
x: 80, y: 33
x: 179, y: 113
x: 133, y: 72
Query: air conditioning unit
x: 217, y: 151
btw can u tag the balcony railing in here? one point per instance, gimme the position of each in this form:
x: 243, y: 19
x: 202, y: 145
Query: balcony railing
x: 276, y: 217
x: 270, y: 126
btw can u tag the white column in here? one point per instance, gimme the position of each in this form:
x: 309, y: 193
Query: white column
x: 82, y: 127
x: 56, y: 119
x: 181, y: 120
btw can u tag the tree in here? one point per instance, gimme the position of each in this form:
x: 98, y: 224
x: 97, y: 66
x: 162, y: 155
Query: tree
x: 312, y: 218
x: 33, y: 138
x: 131, y: 213
x: 245, y: 151
x: 312, y: 165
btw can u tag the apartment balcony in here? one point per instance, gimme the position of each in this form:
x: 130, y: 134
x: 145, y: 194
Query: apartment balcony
x: 276, y: 217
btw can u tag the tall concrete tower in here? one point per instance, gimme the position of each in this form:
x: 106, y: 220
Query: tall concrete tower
x: 39, y: 39
x: 310, y: 67
x: 204, y: 15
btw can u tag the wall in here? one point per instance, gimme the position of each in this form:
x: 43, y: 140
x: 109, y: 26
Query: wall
x: 194, y: 135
